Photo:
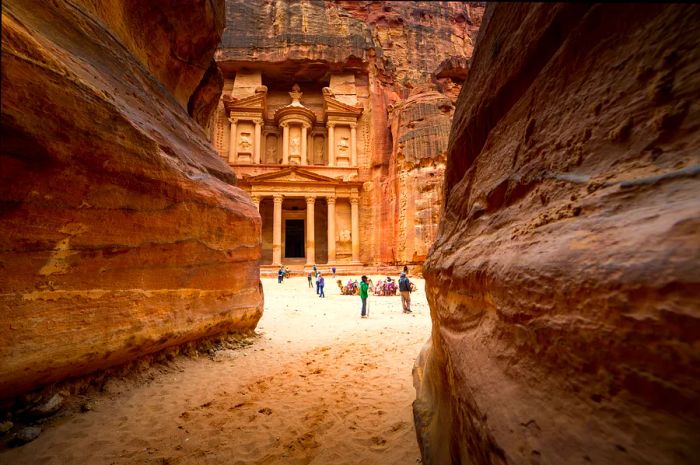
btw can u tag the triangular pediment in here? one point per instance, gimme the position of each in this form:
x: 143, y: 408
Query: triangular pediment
x: 292, y: 174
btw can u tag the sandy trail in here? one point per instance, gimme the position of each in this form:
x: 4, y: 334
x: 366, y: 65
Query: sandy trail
x: 318, y: 386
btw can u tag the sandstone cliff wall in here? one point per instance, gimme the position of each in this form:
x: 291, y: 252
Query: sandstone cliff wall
x: 564, y: 283
x: 120, y: 230
x: 410, y: 56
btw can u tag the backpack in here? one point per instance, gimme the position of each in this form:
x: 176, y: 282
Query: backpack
x: 404, y: 284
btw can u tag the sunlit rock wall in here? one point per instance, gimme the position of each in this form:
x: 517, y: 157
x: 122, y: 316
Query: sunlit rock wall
x: 564, y: 284
x: 409, y: 58
x: 121, y: 232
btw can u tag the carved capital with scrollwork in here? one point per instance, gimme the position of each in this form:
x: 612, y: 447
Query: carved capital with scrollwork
x: 331, y: 200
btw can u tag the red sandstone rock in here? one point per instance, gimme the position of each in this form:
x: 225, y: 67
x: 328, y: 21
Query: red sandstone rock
x: 398, y: 50
x: 564, y: 281
x: 120, y: 231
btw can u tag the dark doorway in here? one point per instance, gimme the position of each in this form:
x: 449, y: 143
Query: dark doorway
x: 294, y: 239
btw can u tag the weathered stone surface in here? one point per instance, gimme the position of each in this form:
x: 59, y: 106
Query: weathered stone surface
x: 564, y: 281
x: 120, y: 231
x: 420, y: 126
x: 397, y: 51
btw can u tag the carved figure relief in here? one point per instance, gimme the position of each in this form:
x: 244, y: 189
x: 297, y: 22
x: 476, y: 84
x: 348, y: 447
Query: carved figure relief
x: 271, y: 153
x: 344, y: 235
x: 318, y: 156
x: 244, y: 144
x: 344, y: 144
x: 294, y: 146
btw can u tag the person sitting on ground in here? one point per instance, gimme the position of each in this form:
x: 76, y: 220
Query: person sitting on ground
x: 321, y: 284
x: 405, y: 289
x: 364, y: 286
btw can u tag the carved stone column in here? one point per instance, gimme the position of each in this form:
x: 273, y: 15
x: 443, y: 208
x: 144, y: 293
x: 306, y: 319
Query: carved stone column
x: 258, y: 131
x: 331, y: 230
x: 355, y: 219
x: 303, y: 145
x: 353, y: 144
x: 310, y: 240
x: 331, y: 144
x: 285, y: 143
x: 233, y: 141
x: 277, y: 230
x: 256, y: 201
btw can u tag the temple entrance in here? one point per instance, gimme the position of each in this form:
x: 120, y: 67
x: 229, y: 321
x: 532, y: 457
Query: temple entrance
x: 294, y: 239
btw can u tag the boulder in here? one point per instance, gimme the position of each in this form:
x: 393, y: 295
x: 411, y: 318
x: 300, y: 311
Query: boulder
x: 564, y: 281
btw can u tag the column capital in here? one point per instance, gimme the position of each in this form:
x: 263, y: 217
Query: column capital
x: 352, y: 125
x: 277, y: 198
x: 330, y: 124
x: 331, y: 200
x: 255, y: 198
x: 258, y: 121
x: 310, y: 198
x: 284, y: 124
x: 232, y: 120
x: 354, y: 200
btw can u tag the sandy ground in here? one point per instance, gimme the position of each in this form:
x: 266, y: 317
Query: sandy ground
x: 318, y: 385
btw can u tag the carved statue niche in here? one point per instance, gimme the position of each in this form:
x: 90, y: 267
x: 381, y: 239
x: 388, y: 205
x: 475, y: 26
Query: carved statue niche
x: 344, y: 144
x: 295, y: 146
x: 244, y: 144
x: 271, y: 149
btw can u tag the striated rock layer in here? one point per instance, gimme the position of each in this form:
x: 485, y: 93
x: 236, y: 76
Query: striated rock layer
x: 564, y: 284
x: 120, y: 230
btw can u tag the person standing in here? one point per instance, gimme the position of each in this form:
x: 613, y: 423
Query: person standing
x: 280, y: 275
x: 333, y: 270
x: 321, y: 284
x: 364, y: 288
x: 405, y: 290
x: 309, y: 277
x: 318, y: 275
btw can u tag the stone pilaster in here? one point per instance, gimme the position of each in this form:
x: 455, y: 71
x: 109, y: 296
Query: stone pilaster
x: 277, y: 230
x: 355, y: 219
x: 331, y: 230
x: 258, y: 131
x: 285, y: 143
x: 331, y: 144
x: 310, y: 240
x: 233, y: 141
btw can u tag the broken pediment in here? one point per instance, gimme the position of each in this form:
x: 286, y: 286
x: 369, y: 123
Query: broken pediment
x: 333, y: 106
x: 256, y: 102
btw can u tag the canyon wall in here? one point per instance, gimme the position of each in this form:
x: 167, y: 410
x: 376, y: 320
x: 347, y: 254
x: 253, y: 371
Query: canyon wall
x: 564, y: 283
x: 121, y: 231
x: 409, y: 60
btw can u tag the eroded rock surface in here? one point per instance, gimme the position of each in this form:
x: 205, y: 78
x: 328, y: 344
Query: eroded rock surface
x: 121, y: 232
x: 564, y: 283
x: 408, y: 60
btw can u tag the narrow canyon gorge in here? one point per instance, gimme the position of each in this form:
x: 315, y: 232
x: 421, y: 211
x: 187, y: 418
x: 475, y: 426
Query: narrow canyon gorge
x: 537, y: 164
